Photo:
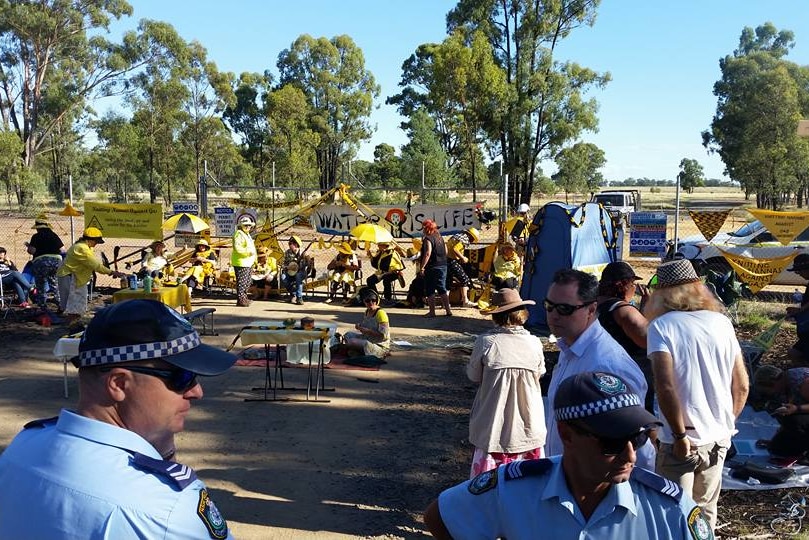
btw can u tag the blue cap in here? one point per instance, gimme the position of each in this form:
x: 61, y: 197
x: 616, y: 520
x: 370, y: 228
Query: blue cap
x: 148, y: 330
x: 603, y: 403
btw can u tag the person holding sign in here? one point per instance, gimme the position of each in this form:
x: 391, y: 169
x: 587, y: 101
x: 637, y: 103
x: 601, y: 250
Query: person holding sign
x: 243, y: 257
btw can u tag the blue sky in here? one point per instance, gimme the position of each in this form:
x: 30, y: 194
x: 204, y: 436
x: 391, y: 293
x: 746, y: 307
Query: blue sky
x: 663, y: 57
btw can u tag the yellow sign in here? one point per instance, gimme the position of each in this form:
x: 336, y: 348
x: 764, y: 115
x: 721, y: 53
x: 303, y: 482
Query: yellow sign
x: 142, y: 221
x: 784, y: 226
x: 757, y: 273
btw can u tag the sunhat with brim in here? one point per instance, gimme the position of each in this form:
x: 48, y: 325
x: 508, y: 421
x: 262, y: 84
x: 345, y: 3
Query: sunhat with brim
x: 202, y: 242
x: 345, y: 249
x: 674, y: 273
x: 603, y: 404
x: 262, y: 251
x: 506, y: 300
x: 92, y: 233
x: 523, y: 208
x: 247, y: 220
x: 41, y: 224
x: 618, y: 271
x: 473, y: 234
x: 148, y: 330
x: 296, y: 239
x: 801, y: 262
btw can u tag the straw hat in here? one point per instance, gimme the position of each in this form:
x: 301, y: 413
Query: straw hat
x: 507, y: 300
x: 345, y: 248
x: 674, y: 273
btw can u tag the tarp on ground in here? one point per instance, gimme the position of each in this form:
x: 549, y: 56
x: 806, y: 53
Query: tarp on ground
x: 564, y: 236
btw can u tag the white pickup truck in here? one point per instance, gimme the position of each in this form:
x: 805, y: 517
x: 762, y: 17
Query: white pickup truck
x: 621, y: 201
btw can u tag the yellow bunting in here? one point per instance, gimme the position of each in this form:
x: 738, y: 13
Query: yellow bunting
x: 766, y: 339
x: 784, y: 226
x: 709, y: 221
x: 757, y: 273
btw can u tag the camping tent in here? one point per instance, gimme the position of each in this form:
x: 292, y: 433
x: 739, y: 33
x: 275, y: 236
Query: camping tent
x: 564, y: 236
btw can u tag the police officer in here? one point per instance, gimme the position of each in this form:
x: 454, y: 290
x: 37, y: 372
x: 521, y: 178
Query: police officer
x: 593, y: 490
x: 106, y: 470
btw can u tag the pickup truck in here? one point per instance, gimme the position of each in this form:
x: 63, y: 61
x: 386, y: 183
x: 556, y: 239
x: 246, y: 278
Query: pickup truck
x: 621, y: 201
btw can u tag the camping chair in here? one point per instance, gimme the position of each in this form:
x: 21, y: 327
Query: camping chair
x: 7, y: 296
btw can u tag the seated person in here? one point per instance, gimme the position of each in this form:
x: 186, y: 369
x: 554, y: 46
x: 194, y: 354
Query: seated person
x: 13, y: 278
x: 202, y: 265
x: 416, y: 298
x: 342, y: 269
x: 456, y: 258
x: 296, y: 267
x: 155, y: 262
x: 788, y: 395
x: 388, y: 264
x: 372, y: 336
x: 264, y: 271
x: 507, y: 267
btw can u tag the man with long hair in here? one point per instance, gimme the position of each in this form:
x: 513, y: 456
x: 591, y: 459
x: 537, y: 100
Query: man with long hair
x: 700, y: 379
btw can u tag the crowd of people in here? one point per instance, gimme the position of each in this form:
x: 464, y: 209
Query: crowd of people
x: 641, y: 404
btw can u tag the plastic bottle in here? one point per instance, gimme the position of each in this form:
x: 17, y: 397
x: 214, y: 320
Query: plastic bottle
x: 147, y: 283
x: 133, y: 282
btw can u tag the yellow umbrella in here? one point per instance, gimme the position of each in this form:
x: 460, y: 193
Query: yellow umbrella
x: 187, y: 223
x: 70, y: 211
x: 370, y: 232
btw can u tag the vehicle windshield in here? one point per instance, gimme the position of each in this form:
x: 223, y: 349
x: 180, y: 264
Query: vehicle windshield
x: 610, y: 200
x: 747, y: 229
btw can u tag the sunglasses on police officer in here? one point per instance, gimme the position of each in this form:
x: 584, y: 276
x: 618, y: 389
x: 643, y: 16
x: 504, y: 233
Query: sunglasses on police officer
x: 613, y: 446
x: 177, y: 380
x: 563, y: 309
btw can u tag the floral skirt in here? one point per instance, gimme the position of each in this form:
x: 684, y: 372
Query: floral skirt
x: 483, y: 461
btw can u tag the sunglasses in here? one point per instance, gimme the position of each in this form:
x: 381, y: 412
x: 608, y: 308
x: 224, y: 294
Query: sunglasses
x: 177, y: 380
x: 563, y: 309
x: 615, y: 446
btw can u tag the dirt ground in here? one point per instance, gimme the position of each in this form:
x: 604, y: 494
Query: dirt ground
x: 361, y: 466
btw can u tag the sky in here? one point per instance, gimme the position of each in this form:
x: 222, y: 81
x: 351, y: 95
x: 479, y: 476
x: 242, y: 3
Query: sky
x: 663, y: 57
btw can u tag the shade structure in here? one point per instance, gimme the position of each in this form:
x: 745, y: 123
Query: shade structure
x: 186, y: 223
x: 370, y: 232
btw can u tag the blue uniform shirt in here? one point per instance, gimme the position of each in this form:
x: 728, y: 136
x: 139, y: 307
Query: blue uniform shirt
x: 78, y: 478
x: 530, y: 499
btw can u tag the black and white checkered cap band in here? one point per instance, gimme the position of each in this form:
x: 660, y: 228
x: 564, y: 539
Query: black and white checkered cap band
x: 593, y: 408
x: 141, y: 351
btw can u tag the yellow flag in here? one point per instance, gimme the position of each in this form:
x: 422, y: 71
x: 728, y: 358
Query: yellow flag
x: 784, y: 226
x: 757, y: 273
x: 766, y: 339
x: 709, y: 221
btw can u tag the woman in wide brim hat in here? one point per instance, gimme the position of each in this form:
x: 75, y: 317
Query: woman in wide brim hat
x: 243, y: 257
x: 507, y: 421
x: 47, y: 250
x: 343, y: 271
x: 76, y: 271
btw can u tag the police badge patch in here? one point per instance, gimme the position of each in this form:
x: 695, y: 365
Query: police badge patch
x: 210, y: 516
x: 483, y: 482
x: 609, y: 384
x: 698, y: 525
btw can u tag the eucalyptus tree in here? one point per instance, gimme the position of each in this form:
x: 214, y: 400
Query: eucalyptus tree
x: 545, y: 108
x: 423, y: 159
x: 691, y: 175
x: 247, y: 118
x: 760, y: 99
x: 292, y: 142
x: 579, y: 168
x: 115, y: 165
x: 340, y: 92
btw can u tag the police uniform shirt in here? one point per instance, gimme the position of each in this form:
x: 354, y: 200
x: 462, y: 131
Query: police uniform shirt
x: 530, y: 499
x: 78, y: 478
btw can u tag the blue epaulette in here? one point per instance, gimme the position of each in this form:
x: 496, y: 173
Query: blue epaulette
x: 657, y: 483
x: 41, y: 423
x: 528, y: 467
x: 181, y: 475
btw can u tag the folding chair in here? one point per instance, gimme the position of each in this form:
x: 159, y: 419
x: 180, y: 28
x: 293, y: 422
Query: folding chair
x: 6, y: 299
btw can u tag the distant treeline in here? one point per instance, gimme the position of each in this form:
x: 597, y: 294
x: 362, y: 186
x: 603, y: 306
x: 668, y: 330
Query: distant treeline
x: 652, y: 182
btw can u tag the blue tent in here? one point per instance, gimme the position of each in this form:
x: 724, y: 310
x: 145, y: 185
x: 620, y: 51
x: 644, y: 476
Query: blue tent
x: 564, y: 236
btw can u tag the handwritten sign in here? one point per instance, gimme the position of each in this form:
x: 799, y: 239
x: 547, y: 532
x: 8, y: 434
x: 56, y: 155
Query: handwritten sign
x: 451, y: 219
